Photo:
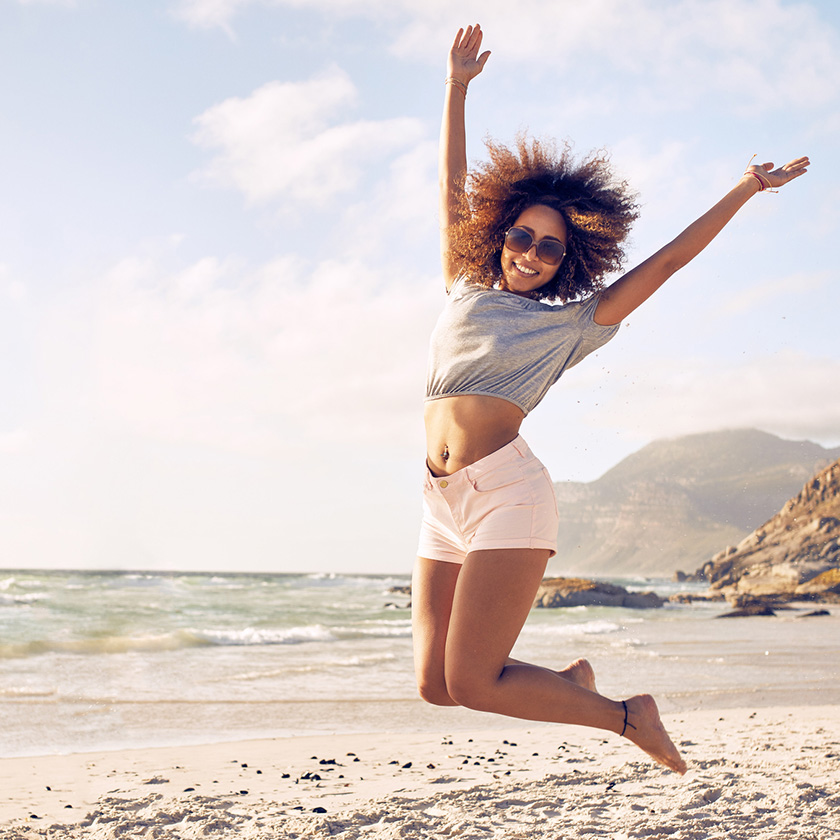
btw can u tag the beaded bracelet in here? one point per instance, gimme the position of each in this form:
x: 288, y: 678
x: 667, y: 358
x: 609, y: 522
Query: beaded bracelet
x: 451, y: 80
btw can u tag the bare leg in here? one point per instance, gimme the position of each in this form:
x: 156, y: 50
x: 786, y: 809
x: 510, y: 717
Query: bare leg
x: 432, y: 593
x: 493, y: 593
x: 579, y: 672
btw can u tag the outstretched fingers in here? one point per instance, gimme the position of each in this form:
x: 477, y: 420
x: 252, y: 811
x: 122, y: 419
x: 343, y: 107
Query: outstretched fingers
x: 796, y: 167
x: 781, y: 175
x: 464, y: 59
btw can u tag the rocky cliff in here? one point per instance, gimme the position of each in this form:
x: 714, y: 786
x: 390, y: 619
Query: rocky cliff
x: 794, y: 554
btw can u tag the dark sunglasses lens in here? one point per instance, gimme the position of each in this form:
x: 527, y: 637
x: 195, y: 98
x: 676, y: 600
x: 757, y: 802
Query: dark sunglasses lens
x: 518, y: 240
x: 548, y: 250
x: 551, y: 251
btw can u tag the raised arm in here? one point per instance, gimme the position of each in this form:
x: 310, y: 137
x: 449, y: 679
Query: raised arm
x: 634, y: 288
x: 464, y: 64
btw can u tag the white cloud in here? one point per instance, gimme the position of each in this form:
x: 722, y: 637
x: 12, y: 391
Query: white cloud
x: 266, y: 361
x: 742, y: 52
x: 11, y: 288
x: 796, y: 285
x: 14, y: 442
x: 790, y: 394
x: 749, y: 54
x: 285, y: 140
x: 207, y: 14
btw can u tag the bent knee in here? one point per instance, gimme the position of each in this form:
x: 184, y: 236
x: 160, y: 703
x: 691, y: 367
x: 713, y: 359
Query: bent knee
x: 435, y: 693
x: 470, y: 691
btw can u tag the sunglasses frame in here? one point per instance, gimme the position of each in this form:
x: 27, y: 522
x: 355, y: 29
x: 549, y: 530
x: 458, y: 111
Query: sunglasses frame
x: 533, y: 242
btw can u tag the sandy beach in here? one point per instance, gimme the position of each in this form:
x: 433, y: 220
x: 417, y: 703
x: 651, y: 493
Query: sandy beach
x: 754, y: 773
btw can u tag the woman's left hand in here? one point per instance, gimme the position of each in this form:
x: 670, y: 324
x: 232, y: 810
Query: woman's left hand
x: 775, y: 178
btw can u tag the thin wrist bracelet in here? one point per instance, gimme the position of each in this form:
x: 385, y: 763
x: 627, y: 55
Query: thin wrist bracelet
x: 451, y: 80
x: 763, y: 183
x: 762, y: 186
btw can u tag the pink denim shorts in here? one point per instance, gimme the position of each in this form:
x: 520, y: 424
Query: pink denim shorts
x: 505, y: 500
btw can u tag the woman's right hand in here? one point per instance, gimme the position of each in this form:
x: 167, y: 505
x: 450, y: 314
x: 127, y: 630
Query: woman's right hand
x: 464, y: 61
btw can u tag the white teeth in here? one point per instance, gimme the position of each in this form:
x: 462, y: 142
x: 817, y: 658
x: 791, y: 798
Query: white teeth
x: 525, y: 270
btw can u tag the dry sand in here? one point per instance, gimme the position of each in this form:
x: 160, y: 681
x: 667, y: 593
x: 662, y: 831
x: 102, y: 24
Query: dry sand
x: 753, y: 773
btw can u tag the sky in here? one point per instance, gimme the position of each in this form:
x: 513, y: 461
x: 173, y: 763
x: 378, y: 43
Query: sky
x: 219, y: 260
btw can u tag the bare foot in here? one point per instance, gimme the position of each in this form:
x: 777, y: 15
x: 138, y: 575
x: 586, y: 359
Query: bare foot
x: 645, y: 730
x: 580, y: 673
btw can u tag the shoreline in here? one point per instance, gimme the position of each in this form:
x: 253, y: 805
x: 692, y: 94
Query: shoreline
x: 412, y: 716
x: 752, y: 769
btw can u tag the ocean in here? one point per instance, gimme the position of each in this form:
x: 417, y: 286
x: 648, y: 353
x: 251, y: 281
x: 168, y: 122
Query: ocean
x: 109, y: 660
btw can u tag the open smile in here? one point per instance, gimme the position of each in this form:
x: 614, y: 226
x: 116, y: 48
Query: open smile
x: 524, y: 270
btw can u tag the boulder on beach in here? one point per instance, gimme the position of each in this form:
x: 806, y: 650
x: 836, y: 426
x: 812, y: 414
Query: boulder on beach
x: 577, y: 592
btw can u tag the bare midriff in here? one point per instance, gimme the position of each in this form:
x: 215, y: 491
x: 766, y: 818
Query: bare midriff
x: 462, y: 430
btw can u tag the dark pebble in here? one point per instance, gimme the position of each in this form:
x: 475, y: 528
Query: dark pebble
x: 34, y: 817
x: 430, y: 766
x: 188, y: 790
x: 243, y: 765
x: 393, y: 762
x: 285, y: 776
x: 244, y: 792
x: 351, y: 754
x: 357, y: 759
x: 319, y: 810
x: 49, y: 788
x: 68, y: 806
x: 327, y: 761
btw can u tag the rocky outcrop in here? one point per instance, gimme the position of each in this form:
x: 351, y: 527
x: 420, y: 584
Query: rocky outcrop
x: 578, y: 592
x: 796, y: 554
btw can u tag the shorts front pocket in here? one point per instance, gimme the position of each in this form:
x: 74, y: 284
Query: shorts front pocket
x: 506, y: 475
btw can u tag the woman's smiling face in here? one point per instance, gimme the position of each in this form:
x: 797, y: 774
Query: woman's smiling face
x: 522, y: 273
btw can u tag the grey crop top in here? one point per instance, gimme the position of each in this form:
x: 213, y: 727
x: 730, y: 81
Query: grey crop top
x: 491, y: 342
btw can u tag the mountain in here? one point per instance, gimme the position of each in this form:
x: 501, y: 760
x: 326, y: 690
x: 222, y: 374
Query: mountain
x: 675, y: 502
x: 795, y: 553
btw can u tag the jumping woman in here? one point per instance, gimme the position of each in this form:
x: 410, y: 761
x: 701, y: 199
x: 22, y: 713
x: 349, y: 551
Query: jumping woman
x: 528, y: 227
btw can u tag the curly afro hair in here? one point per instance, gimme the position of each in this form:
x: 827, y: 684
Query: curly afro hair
x: 598, y: 211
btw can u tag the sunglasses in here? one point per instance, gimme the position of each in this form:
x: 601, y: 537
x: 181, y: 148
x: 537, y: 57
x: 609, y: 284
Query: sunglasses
x: 550, y: 251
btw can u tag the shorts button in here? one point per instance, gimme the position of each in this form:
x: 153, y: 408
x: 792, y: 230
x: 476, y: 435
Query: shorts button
x: 444, y: 484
